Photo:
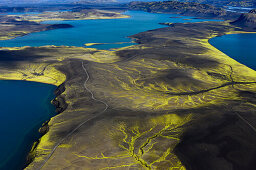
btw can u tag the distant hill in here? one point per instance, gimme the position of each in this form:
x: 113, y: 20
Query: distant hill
x: 184, y: 8
x: 240, y: 3
x: 94, y: 1
x: 110, y: 1
x: 18, y: 2
x: 244, y: 3
x: 247, y: 20
x: 15, y: 2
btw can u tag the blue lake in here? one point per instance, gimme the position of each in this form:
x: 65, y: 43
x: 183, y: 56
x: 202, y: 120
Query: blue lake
x: 25, y: 106
x: 241, y: 47
x: 97, y: 31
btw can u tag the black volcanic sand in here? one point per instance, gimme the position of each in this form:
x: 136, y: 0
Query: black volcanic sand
x: 171, y: 100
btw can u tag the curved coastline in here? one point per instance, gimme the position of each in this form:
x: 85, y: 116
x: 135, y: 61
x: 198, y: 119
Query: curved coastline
x: 47, y: 74
x: 186, y: 159
x: 26, y: 131
x: 228, y: 52
x: 39, y: 26
x: 53, y: 77
x: 216, y: 53
x: 48, y: 27
x: 60, y: 105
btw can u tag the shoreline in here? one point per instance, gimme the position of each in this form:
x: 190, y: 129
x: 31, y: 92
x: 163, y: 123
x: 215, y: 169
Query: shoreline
x: 58, y: 102
x: 47, y: 126
x: 33, y: 132
x: 49, y: 25
x: 237, y: 69
x: 60, y: 106
x: 89, y: 18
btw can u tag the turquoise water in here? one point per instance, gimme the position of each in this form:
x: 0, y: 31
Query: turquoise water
x: 97, y: 31
x: 24, y: 107
x: 241, y: 47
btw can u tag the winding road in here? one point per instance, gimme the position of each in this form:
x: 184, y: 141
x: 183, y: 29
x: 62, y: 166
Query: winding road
x: 81, y: 124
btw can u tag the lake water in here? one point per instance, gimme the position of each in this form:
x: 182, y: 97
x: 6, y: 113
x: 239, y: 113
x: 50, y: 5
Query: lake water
x: 241, y: 47
x: 25, y: 106
x: 97, y: 31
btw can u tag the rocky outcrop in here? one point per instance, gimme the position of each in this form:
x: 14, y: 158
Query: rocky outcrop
x: 56, y: 26
x: 60, y: 105
x: 253, y: 11
x: 246, y: 20
x: 14, y: 26
x: 59, y: 102
x: 183, y: 8
x: 238, y: 3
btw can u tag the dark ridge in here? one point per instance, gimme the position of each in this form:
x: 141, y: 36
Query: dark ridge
x: 233, y: 3
x: 247, y: 21
x: 59, y: 102
x: 60, y: 105
x: 218, y: 142
x: 57, y: 26
x: 253, y: 11
x: 248, y: 96
x: 184, y: 8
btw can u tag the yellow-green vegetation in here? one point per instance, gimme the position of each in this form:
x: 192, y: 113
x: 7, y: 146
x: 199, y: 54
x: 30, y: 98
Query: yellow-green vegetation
x: 141, y: 143
x: 38, y: 72
x: 91, y: 44
x: 142, y: 83
x: 130, y: 108
x: 13, y: 26
x: 9, y: 35
x: 9, y: 28
x: 43, y: 69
